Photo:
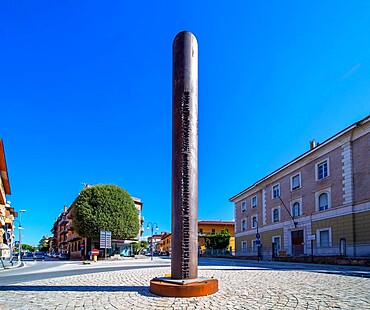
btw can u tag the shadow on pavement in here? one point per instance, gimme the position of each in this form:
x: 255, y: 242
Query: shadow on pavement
x: 142, y: 290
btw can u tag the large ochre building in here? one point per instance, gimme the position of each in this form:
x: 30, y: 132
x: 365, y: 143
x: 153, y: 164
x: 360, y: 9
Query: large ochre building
x: 317, y: 204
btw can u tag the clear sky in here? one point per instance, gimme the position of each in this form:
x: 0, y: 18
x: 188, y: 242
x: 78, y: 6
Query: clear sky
x: 86, y: 95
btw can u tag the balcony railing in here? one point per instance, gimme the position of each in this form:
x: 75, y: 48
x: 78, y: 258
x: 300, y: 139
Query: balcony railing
x: 64, y: 231
x: 70, y: 214
x: 63, y: 220
x: 73, y: 237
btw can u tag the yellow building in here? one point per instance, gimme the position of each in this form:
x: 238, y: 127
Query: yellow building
x: 205, y: 228
x: 166, y: 243
x: 208, y: 228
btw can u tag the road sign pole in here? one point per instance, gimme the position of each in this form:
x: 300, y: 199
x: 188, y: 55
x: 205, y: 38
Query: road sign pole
x: 105, y: 243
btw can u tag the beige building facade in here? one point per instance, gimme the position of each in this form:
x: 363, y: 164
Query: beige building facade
x: 317, y: 204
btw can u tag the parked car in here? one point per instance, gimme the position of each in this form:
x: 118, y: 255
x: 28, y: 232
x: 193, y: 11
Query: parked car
x: 55, y: 255
x: 27, y: 254
x: 38, y: 255
x: 63, y: 256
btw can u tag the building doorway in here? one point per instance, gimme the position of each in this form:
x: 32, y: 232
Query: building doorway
x: 297, y: 242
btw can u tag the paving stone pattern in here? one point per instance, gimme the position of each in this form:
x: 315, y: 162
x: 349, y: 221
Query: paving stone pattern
x: 239, y: 288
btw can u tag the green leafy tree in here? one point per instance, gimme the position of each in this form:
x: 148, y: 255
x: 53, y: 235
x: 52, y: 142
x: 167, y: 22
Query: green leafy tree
x: 143, y: 245
x: 218, y: 241
x: 27, y: 247
x: 43, y: 244
x: 137, y: 247
x: 105, y: 207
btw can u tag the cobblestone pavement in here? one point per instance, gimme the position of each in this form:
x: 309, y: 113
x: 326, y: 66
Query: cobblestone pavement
x: 239, y: 288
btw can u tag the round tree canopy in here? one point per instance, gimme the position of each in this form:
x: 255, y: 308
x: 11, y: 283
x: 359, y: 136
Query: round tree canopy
x: 105, y: 207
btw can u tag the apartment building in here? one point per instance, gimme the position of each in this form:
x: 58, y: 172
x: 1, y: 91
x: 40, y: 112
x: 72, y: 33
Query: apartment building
x: 207, y: 228
x: 66, y: 239
x: 155, y: 241
x: 7, y: 213
x: 166, y: 243
x: 317, y: 204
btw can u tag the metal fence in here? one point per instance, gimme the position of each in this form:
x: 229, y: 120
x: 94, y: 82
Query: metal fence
x: 341, y: 248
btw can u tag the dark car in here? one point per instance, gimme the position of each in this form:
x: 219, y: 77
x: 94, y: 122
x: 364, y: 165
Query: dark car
x: 39, y: 255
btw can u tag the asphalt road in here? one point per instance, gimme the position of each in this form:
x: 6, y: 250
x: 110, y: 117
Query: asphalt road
x: 51, y: 268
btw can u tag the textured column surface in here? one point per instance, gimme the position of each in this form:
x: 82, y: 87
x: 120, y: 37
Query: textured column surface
x: 184, y: 237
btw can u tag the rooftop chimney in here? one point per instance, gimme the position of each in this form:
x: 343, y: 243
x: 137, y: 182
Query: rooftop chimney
x: 312, y: 144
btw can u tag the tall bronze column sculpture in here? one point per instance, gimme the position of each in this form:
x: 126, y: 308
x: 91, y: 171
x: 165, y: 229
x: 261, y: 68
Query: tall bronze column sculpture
x: 184, y: 281
x: 184, y: 234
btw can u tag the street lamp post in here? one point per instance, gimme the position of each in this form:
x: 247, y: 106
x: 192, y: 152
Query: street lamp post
x: 152, y: 227
x: 20, y: 228
x: 20, y: 238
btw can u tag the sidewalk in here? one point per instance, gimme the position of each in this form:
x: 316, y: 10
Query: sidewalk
x: 6, y: 264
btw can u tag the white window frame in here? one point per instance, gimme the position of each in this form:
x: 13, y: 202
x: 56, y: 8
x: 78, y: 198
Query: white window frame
x: 279, y: 244
x: 300, y: 207
x: 317, y: 169
x: 252, y: 205
x: 244, y: 247
x: 272, y: 214
x: 241, y: 226
x: 317, y: 195
x: 243, y: 206
x: 254, y: 245
x: 319, y: 239
x: 272, y: 191
x: 252, y: 217
x: 300, y: 181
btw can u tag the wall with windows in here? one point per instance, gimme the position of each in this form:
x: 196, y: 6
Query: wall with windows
x: 326, y: 191
x: 361, y: 168
x: 266, y: 239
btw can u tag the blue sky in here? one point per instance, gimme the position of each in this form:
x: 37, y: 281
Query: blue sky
x: 85, y: 95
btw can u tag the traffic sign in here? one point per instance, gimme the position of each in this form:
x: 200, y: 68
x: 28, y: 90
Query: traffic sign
x: 258, y: 236
x: 258, y: 241
x: 16, y: 242
x: 95, y: 252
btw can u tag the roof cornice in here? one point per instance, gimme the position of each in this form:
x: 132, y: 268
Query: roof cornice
x: 304, y: 155
x: 3, y: 169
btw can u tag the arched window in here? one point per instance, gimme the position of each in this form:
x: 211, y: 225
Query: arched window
x: 296, y: 209
x: 276, y: 215
x: 323, y: 202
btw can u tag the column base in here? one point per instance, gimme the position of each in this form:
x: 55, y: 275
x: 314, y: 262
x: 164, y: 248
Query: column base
x: 169, y: 287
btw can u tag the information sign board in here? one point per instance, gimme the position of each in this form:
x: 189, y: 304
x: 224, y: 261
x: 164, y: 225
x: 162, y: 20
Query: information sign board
x: 105, y: 239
